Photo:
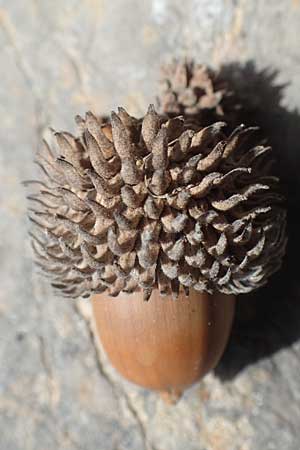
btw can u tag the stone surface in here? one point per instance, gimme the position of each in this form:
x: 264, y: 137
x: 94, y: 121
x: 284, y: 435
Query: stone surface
x: 57, y: 389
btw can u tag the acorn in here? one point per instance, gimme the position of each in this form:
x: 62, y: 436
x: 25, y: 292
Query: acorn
x: 198, y: 92
x: 172, y: 218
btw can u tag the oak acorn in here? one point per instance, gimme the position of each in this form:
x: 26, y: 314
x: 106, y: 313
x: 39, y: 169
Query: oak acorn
x: 164, y: 344
x: 164, y: 207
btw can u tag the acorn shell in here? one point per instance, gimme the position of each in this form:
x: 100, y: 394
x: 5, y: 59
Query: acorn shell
x: 164, y: 344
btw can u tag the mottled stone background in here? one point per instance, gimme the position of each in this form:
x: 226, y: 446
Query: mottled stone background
x: 57, y: 391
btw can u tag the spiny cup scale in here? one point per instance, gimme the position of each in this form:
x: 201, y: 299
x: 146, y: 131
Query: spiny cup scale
x: 153, y: 203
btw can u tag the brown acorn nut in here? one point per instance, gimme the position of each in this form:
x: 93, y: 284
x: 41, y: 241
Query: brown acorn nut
x: 164, y: 344
x: 155, y: 207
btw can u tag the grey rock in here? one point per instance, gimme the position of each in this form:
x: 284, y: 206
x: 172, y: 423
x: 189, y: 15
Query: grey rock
x: 57, y: 389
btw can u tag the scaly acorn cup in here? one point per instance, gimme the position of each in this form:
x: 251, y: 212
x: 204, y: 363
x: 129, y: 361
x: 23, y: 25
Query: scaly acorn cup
x: 158, y: 209
x: 198, y: 93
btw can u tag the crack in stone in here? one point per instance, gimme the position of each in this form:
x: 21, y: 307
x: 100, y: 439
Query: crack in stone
x: 66, y: 435
x: 40, y: 114
x: 59, y: 434
x: 11, y: 34
x: 53, y: 391
x: 118, y: 391
x: 80, y: 73
x: 43, y: 356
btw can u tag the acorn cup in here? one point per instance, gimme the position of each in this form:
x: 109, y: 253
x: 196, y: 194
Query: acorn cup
x: 172, y: 218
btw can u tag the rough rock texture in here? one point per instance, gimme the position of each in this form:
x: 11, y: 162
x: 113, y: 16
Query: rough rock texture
x: 56, y: 389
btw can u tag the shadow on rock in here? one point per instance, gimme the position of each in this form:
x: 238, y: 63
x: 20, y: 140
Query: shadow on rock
x: 269, y: 319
